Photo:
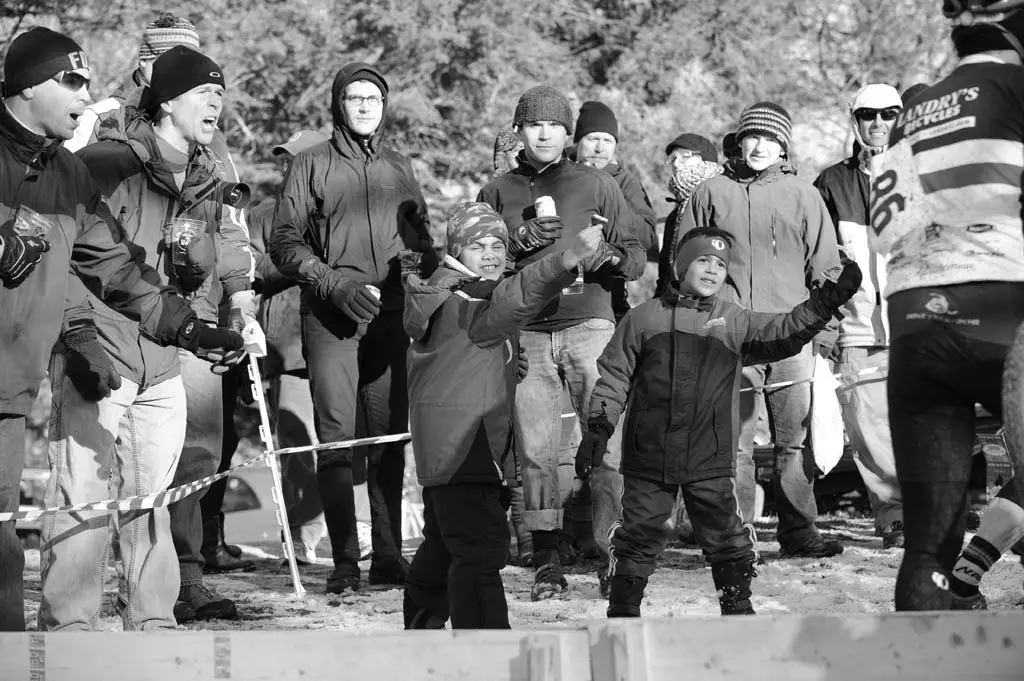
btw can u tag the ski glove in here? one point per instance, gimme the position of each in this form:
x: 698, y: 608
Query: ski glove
x: 19, y: 254
x: 88, y: 366
x: 835, y: 294
x: 223, y: 347
x: 591, y: 450
x: 533, y: 235
x: 522, y: 366
x: 355, y: 301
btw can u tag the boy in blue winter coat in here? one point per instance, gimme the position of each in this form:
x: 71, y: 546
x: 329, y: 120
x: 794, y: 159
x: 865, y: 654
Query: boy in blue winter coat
x: 462, y: 368
x: 680, y: 357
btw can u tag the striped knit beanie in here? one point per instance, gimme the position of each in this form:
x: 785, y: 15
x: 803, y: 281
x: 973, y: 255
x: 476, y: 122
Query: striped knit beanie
x: 766, y: 118
x: 165, y: 32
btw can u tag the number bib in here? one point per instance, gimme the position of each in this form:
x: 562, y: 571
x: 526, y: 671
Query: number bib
x: 898, y: 206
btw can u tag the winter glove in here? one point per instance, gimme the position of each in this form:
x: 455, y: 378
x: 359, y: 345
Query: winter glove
x: 19, y: 254
x: 534, y: 234
x: 592, y: 447
x: 88, y: 365
x: 222, y: 347
x: 522, y: 366
x: 355, y: 301
x: 604, y: 255
x: 834, y: 295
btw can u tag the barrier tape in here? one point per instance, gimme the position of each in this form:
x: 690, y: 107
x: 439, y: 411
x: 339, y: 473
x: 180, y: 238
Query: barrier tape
x: 169, y: 496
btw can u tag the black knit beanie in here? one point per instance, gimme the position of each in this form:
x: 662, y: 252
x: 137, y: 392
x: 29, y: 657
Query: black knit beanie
x: 595, y: 117
x: 39, y: 54
x: 543, y: 103
x: 177, y: 71
x: 694, y: 142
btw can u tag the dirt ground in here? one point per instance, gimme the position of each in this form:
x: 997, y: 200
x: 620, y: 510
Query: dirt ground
x: 859, y: 581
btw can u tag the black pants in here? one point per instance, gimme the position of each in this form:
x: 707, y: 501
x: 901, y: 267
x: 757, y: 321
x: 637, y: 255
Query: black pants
x: 359, y: 388
x: 948, y: 347
x: 210, y: 505
x: 456, y: 571
x: 638, y: 541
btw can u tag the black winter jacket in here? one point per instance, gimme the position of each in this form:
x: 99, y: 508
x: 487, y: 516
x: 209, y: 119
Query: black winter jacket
x: 680, y: 358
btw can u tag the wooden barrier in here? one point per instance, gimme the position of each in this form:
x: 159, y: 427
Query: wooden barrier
x: 933, y: 646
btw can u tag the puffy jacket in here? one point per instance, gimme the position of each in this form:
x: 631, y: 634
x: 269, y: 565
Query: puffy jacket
x: 579, y: 192
x: 784, y: 238
x: 462, y: 366
x: 845, y: 188
x: 279, y: 301
x: 86, y: 240
x: 141, y: 191
x: 347, y: 208
x: 679, y: 359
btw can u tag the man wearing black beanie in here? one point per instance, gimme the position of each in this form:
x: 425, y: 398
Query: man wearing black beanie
x: 358, y: 200
x: 160, y: 177
x: 56, y: 207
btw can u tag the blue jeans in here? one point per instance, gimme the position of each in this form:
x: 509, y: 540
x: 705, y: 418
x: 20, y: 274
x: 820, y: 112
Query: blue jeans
x: 567, y: 357
x: 200, y: 457
x: 12, y: 555
x: 124, y: 445
x: 789, y: 415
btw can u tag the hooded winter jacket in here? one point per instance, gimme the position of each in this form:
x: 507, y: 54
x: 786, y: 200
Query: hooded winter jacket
x: 141, y: 191
x: 784, y: 239
x: 347, y: 208
x: 845, y: 188
x: 39, y: 175
x: 680, y: 358
x: 462, y: 366
x: 279, y: 301
x: 579, y: 192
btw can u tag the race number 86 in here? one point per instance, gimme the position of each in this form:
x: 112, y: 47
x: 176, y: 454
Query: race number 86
x: 885, y: 202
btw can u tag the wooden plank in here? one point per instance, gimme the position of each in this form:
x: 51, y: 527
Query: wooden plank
x: 280, y: 656
x: 618, y: 650
x: 905, y: 646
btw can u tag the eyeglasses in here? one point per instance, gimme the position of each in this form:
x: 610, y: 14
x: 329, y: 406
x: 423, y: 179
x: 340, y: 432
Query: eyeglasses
x: 71, y: 80
x: 356, y: 100
x: 888, y: 115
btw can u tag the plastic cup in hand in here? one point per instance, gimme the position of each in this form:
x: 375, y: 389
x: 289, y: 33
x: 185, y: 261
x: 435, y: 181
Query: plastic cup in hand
x: 30, y: 223
x: 374, y: 291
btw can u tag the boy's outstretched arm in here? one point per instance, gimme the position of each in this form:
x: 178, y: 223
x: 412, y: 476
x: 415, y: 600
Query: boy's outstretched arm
x: 771, y: 337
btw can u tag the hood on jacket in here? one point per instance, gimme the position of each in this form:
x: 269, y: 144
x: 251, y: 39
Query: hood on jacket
x: 349, y: 74
x: 425, y: 297
x: 736, y: 169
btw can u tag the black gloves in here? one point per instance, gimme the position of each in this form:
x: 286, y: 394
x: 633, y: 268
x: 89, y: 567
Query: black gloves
x: 19, y: 255
x: 592, y: 446
x: 534, y: 234
x: 88, y: 365
x: 204, y: 341
x: 355, y: 301
x: 844, y: 288
x: 522, y: 366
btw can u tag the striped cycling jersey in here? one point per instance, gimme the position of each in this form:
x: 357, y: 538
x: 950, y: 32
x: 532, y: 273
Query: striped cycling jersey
x: 946, y: 200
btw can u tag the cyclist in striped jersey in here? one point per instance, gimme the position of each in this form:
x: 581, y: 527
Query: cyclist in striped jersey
x: 946, y: 205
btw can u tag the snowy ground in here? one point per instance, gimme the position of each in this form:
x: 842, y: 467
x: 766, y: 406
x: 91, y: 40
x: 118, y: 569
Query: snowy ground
x: 859, y: 581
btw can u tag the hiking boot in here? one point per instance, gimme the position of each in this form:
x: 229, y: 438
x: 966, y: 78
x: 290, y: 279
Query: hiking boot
x: 625, y: 593
x: 199, y: 602
x: 343, y: 577
x: 549, y: 582
x: 391, y: 573
x: 732, y: 583
x: 815, y: 546
x: 221, y: 560
x: 893, y: 536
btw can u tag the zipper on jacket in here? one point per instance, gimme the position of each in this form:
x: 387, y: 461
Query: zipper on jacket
x: 775, y: 249
x: 369, y: 218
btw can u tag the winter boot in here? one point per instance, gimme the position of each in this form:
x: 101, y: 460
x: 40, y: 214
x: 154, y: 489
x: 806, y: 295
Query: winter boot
x: 389, y: 573
x: 625, y: 594
x: 214, y: 550
x: 417, y: 617
x: 732, y: 582
x: 344, y: 576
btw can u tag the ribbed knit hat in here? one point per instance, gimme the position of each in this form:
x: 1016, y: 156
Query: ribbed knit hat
x: 177, y: 71
x: 694, y: 142
x: 472, y: 221
x: 766, y: 118
x: 165, y: 32
x: 595, y: 117
x: 543, y: 103
x: 39, y: 54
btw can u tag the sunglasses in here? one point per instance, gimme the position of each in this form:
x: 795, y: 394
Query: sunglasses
x: 888, y: 115
x: 71, y: 80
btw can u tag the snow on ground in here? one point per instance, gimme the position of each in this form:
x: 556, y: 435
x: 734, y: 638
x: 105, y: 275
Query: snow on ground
x: 859, y: 581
